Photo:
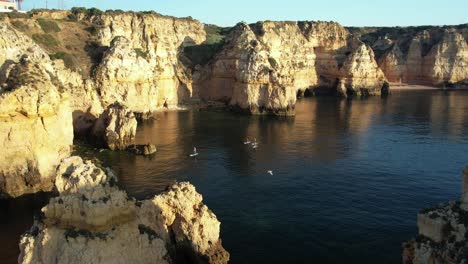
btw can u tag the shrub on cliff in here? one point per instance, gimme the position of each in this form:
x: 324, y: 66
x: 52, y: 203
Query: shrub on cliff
x: 48, y: 26
x: 13, y: 15
x: 46, y: 40
x: 141, y: 53
x: 83, y: 11
x: 19, y: 25
x: 258, y: 29
x: 68, y: 59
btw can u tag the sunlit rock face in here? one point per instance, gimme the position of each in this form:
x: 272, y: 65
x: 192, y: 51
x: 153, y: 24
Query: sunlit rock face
x: 142, y: 69
x: 35, y: 130
x: 84, y: 101
x: 116, y: 127
x: 261, y: 67
x: 442, y: 233
x: 92, y: 221
x: 433, y: 56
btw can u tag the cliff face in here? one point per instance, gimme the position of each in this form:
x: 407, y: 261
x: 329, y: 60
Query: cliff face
x: 84, y: 101
x: 261, y: 67
x: 35, y: 130
x: 92, y: 219
x: 442, y: 233
x: 425, y: 55
x: 142, y: 67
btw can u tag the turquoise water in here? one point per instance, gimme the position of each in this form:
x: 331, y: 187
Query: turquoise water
x: 348, y: 177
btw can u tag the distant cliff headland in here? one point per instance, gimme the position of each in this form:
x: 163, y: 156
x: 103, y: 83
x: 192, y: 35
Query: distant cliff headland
x: 88, y: 73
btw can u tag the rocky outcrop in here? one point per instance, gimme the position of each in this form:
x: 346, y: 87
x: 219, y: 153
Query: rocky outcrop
x: 144, y: 150
x: 142, y: 68
x: 261, y: 67
x: 35, y: 130
x: 116, y: 127
x: 442, y: 233
x: 92, y: 220
x: 425, y: 55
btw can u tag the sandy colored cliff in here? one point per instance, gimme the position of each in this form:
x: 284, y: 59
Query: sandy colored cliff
x: 261, y: 67
x: 421, y: 55
x: 35, y: 130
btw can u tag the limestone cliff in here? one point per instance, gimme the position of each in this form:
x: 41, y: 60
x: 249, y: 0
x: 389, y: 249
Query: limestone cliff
x: 35, y: 130
x: 142, y: 67
x: 94, y: 221
x: 421, y: 55
x: 442, y: 233
x: 261, y: 67
x: 84, y: 100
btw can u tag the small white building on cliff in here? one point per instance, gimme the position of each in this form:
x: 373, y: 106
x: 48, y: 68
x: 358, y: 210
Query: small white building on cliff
x: 8, y: 6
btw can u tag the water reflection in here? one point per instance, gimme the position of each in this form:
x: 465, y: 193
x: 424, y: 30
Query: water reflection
x: 349, y: 175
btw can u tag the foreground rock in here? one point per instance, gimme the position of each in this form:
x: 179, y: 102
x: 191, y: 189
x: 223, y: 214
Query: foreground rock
x: 116, y: 127
x: 93, y: 221
x: 442, y: 233
x: 35, y: 130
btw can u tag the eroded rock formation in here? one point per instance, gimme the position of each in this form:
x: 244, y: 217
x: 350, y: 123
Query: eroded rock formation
x: 142, y: 68
x: 92, y: 220
x: 442, y: 233
x: 116, y: 127
x: 263, y: 66
x: 84, y: 100
x: 35, y: 130
x: 426, y: 55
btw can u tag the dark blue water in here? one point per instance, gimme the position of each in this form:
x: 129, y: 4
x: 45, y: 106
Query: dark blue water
x: 349, y: 175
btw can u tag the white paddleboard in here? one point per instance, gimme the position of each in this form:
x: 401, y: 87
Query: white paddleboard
x: 194, y: 155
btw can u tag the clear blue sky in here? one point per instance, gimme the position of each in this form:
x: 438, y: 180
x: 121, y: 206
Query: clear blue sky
x: 346, y: 12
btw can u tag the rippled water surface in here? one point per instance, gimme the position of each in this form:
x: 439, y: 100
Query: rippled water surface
x: 348, y: 177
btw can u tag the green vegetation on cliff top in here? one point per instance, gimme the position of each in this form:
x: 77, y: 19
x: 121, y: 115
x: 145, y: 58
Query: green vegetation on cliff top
x: 215, y: 38
x: 48, y: 25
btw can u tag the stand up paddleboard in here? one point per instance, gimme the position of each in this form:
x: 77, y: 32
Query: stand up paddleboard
x: 194, y: 155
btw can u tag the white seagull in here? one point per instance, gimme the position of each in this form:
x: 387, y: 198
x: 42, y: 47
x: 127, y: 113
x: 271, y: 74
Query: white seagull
x: 270, y: 172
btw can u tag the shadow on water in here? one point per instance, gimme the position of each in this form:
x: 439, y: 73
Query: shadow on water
x: 17, y: 217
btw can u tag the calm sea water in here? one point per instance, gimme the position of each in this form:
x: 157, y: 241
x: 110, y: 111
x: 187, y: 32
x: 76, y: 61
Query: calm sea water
x: 349, y: 176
